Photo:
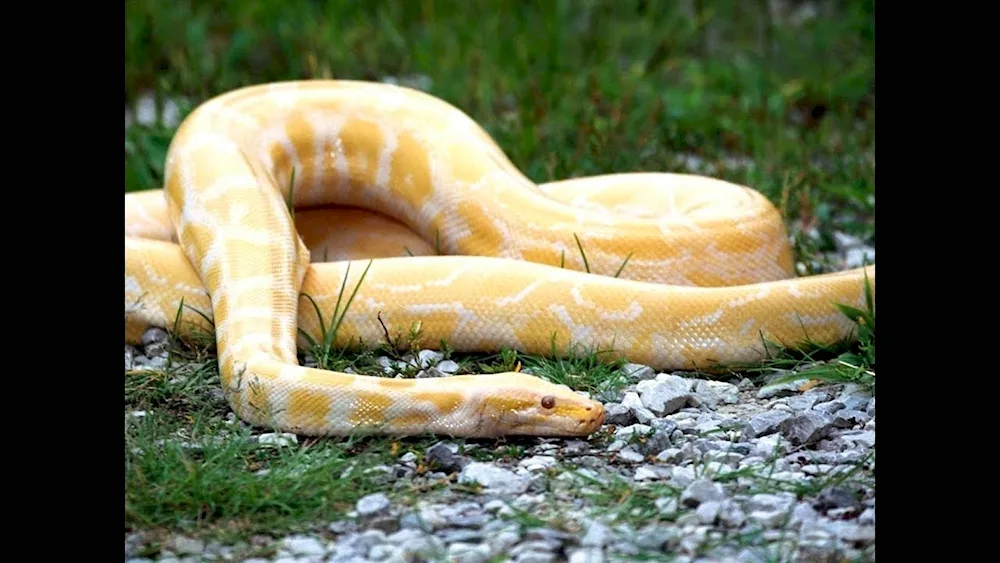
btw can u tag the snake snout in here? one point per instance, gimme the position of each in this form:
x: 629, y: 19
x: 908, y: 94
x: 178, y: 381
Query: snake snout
x: 593, y: 418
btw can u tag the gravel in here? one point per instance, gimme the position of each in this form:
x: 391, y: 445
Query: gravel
x: 694, y: 476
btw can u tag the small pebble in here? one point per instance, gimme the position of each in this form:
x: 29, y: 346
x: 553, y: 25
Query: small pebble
x: 372, y: 505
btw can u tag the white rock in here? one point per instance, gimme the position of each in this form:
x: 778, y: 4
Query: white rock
x: 597, y: 534
x: 708, y: 511
x: 628, y: 453
x: 844, y: 241
x: 702, y: 490
x: 303, y: 545
x: 448, y: 366
x: 638, y: 372
x: 666, y: 394
x: 682, y: 476
x: 716, y: 392
x: 586, y: 555
x: 187, y: 546
x: 503, y: 541
x: 650, y: 473
x: 858, y: 257
x: 276, y: 439
x: 427, y: 358
x: 535, y: 557
x: 494, y: 479
x: 731, y: 514
x: 863, y: 437
x: 383, y: 552
x: 461, y: 552
x: 538, y: 462
x: 373, y: 504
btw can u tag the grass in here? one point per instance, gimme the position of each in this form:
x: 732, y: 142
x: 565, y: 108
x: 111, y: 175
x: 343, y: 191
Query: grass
x: 190, y: 467
x: 574, y: 88
x: 567, y: 88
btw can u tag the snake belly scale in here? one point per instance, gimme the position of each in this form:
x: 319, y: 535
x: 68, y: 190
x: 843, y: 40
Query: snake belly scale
x: 396, y: 175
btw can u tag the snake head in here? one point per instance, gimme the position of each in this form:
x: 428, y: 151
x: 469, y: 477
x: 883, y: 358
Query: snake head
x: 515, y: 403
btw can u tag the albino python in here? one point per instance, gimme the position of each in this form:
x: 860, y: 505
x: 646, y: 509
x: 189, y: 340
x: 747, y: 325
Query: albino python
x: 384, y: 172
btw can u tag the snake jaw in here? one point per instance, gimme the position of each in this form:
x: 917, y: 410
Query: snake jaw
x: 582, y: 422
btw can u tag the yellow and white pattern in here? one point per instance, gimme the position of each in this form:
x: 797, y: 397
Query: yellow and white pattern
x: 382, y: 172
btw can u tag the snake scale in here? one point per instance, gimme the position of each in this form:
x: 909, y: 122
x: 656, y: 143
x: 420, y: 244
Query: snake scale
x: 382, y: 179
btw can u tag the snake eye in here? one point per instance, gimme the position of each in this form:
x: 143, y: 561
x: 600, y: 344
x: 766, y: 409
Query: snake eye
x: 548, y: 402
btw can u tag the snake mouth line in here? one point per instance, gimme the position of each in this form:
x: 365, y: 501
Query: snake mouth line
x: 594, y: 422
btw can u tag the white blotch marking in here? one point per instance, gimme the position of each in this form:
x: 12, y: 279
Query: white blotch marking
x: 798, y: 319
x: 211, y: 259
x: 328, y: 127
x: 710, y: 319
x: 154, y: 278
x: 370, y: 303
x: 762, y: 293
x: 389, y: 146
x: 237, y: 313
x: 578, y: 333
x: 633, y: 312
x: 225, y: 185
x: 228, y: 113
x: 450, y: 278
x: 238, y: 212
x: 282, y: 95
x: 399, y: 288
x: 340, y: 164
x: 191, y: 289
x: 578, y: 298
x: 254, y: 341
x: 290, y: 372
x: 465, y: 316
x: 132, y: 286
x: 279, y: 135
x: 208, y: 141
x: 520, y: 295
